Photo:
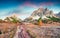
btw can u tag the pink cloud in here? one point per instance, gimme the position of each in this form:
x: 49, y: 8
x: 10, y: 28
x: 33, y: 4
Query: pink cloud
x: 46, y: 4
x: 29, y: 5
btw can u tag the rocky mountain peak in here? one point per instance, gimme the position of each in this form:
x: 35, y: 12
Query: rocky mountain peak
x: 42, y: 11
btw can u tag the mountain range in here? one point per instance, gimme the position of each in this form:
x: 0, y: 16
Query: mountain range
x: 58, y: 15
x: 41, y: 13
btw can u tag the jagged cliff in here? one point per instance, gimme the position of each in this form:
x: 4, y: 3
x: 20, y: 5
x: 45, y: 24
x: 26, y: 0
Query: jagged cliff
x: 42, y: 12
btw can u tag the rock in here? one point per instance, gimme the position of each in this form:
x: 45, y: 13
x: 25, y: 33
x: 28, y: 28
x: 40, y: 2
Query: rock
x: 41, y: 12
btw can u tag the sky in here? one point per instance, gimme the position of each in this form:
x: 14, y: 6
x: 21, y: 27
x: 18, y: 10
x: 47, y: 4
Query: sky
x: 24, y: 8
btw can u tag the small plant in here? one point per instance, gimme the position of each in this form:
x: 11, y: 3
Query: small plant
x: 44, y: 21
x: 40, y: 21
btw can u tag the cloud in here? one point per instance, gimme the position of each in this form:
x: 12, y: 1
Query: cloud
x: 28, y: 4
x: 46, y: 3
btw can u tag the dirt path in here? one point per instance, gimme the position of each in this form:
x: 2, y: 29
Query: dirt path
x: 43, y: 31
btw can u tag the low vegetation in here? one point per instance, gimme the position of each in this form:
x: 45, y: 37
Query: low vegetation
x: 54, y: 19
x: 12, y: 19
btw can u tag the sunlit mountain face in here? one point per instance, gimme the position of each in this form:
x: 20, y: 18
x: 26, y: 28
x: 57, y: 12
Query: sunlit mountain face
x: 24, y: 8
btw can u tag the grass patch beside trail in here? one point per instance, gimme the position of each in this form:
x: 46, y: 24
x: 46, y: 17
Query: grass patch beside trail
x: 54, y: 19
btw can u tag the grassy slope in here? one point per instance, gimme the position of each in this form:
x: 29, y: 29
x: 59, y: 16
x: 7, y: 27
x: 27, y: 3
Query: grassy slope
x: 54, y: 19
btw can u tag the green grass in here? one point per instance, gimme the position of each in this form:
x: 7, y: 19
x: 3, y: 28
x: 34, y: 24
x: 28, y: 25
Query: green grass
x: 54, y: 19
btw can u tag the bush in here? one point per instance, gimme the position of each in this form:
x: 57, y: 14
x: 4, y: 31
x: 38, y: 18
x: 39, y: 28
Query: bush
x: 44, y: 21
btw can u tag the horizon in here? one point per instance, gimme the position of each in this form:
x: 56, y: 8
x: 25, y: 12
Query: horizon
x: 24, y: 8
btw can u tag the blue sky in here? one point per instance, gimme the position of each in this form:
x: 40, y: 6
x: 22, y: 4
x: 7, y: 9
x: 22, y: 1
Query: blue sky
x: 23, y: 8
